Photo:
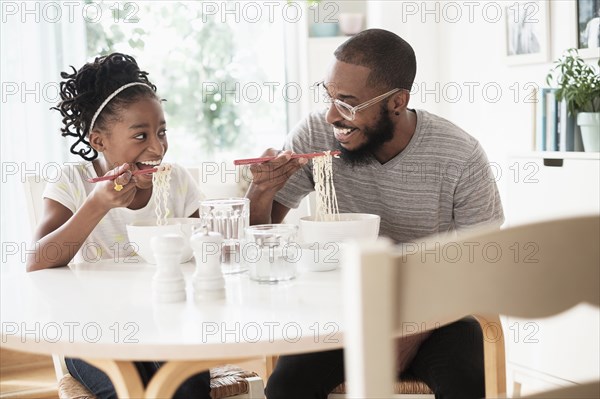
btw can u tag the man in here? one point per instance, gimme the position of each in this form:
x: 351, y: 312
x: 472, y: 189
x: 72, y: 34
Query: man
x: 419, y: 172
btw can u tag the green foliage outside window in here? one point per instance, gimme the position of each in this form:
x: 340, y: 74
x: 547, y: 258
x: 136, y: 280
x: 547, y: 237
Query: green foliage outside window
x: 201, y: 51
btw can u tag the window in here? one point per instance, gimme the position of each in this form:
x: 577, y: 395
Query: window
x: 224, y: 82
x: 219, y: 67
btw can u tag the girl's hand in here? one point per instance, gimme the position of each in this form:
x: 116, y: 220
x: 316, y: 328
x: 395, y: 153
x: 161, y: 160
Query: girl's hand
x: 115, y: 193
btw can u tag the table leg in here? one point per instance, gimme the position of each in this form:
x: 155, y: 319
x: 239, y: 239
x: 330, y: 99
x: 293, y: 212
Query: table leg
x: 123, y: 375
x: 270, y: 365
x: 163, y: 384
x: 173, y: 373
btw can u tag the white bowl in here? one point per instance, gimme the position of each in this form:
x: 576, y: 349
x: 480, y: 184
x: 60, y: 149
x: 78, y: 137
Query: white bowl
x: 140, y: 234
x: 318, y: 257
x: 351, y: 226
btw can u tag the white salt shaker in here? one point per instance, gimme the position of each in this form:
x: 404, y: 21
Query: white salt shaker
x: 168, y: 284
x: 208, y: 281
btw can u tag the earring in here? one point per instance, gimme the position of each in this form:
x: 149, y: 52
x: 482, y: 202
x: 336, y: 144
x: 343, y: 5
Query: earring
x: 397, y: 113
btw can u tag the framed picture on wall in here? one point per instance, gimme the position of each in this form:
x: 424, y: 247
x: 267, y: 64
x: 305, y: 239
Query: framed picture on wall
x: 588, y: 28
x: 527, y: 31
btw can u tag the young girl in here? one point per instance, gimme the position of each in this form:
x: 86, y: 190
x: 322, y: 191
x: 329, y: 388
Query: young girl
x: 111, y: 108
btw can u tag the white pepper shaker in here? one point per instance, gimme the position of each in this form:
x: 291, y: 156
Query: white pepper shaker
x: 208, y: 281
x: 168, y: 284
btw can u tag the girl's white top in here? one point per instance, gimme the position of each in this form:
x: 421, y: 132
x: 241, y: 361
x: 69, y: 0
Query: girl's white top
x: 109, y: 239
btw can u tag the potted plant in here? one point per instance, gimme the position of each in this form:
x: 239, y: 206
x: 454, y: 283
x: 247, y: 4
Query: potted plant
x: 579, y: 85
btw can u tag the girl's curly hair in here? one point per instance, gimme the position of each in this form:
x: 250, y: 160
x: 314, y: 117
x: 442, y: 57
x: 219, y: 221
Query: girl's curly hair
x: 83, y: 91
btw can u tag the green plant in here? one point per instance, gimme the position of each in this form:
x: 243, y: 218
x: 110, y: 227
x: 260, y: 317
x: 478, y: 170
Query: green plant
x: 202, y: 52
x: 578, y: 83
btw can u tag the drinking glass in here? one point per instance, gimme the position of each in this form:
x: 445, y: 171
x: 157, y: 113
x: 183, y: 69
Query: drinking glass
x: 271, y: 252
x: 229, y: 217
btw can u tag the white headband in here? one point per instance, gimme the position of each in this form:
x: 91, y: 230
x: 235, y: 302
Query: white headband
x: 113, y: 95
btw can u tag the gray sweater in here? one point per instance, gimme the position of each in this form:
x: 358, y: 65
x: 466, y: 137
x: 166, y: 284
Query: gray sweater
x: 439, y: 183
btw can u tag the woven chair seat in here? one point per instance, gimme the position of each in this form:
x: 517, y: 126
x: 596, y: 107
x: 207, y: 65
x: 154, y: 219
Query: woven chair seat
x: 70, y: 388
x: 228, y: 380
x: 225, y: 381
x: 400, y: 387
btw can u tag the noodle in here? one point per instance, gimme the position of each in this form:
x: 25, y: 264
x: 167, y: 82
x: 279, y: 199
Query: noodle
x: 161, y: 181
x: 327, y: 205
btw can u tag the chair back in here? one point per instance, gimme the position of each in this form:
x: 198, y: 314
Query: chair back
x: 528, y: 271
x: 34, y: 188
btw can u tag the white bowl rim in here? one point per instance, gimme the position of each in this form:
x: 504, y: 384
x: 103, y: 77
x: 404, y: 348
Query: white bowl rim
x: 225, y: 201
x: 170, y: 222
x: 360, y: 217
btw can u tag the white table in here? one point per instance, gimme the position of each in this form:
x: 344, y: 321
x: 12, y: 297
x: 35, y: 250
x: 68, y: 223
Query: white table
x: 104, y: 313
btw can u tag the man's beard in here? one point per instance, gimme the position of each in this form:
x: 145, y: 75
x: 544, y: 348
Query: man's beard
x: 376, y: 136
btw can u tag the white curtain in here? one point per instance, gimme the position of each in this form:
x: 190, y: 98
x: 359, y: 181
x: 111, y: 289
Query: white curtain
x: 34, y: 51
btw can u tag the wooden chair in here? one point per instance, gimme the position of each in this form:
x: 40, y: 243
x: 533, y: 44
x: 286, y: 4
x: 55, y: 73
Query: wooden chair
x: 406, y: 389
x: 478, y: 273
x: 226, y: 382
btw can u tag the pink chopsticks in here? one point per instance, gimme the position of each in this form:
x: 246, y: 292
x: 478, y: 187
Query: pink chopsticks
x: 250, y: 161
x: 113, y: 177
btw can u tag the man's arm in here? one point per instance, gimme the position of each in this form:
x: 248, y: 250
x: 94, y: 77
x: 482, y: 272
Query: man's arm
x: 476, y: 199
x: 279, y: 212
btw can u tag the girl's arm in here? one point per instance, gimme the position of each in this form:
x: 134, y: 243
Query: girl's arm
x: 61, y: 233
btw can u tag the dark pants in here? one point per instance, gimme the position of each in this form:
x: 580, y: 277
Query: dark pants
x: 450, y: 362
x: 197, y: 386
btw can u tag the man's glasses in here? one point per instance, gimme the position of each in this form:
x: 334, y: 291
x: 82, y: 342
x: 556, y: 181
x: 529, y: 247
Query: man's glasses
x: 347, y: 111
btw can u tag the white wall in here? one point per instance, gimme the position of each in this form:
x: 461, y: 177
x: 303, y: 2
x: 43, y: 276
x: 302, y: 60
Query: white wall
x: 455, y: 54
x: 471, y: 51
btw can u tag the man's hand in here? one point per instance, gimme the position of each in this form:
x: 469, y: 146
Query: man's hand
x: 267, y: 179
x: 271, y: 176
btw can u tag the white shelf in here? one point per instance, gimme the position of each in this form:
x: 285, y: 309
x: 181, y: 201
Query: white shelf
x: 561, y: 350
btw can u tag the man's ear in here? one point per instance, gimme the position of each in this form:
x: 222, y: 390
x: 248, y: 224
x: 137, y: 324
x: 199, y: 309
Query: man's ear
x: 401, y: 99
x: 97, y: 141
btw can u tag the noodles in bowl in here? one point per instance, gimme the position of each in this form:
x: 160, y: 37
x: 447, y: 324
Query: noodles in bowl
x: 328, y: 225
x: 140, y: 233
x: 324, y: 230
x: 349, y: 226
x: 321, y: 240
